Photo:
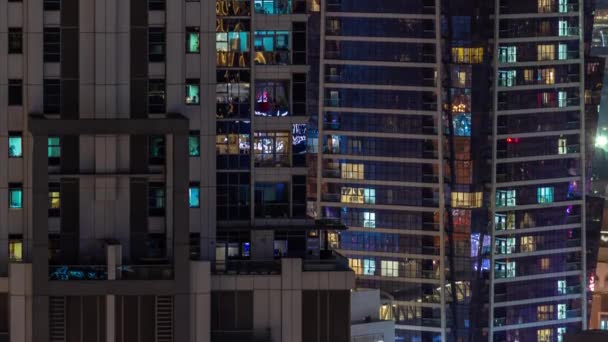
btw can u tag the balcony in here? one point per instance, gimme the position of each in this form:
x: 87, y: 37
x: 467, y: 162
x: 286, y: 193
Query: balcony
x: 246, y: 267
x: 78, y: 272
x: 144, y: 272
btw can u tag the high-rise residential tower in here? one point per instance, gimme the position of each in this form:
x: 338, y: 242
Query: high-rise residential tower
x: 152, y: 175
x: 452, y: 143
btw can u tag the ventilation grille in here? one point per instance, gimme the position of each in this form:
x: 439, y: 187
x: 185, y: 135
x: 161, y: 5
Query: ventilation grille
x: 164, y: 319
x: 57, y: 319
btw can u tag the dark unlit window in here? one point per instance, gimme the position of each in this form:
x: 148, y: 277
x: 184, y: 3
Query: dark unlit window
x: 15, y: 40
x: 15, y: 92
x: 52, y: 5
x: 156, y: 96
x: 52, y: 96
x: 156, y: 5
x: 156, y: 199
x: 52, y: 44
x: 156, y: 44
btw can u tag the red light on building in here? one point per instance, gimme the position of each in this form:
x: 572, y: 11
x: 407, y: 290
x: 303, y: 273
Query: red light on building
x: 512, y: 140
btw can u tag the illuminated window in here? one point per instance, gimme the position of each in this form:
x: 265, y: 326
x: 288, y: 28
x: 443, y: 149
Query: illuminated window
x: 562, y: 52
x: 272, y: 6
x: 561, y: 311
x: 562, y: 146
x: 561, y: 331
x: 194, y: 144
x: 369, y: 219
x: 193, y: 40
x: 462, y: 125
x: 546, y: 76
x: 500, y: 221
x: 545, y: 195
x: 15, y: 196
x: 355, y: 265
x: 194, y: 195
x: 232, y: 47
x: 271, y: 148
x: 369, y: 266
x: 507, y: 54
x: 528, y: 75
x: 505, y: 198
x: 272, y: 47
x: 232, y: 144
x: 544, y: 313
x: 353, y: 171
x: 545, y: 264
x: 193, y: 94
x: 351, y: 195
x: 54, y: 149
x: 54, y: 200
x: 511, y: 271
x: 272, y: 98
x: 15, y: 145
x: 467, y: 55
x: 545, y: 6
x: 370, y: 196
x: 507, y: 78
x: 561, y: 287
x: 15, y: 248
x: 466, y: 199
x: 544, y: 335
x: 389, y: 268
x: 505, y: 245
x: 563, y: 8
x: 546, y: 52
x: 527, y: 244
x: 562, y: 28
x: 562, y: 99
x: 511, y: 221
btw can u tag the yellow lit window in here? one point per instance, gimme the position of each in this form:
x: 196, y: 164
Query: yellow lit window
x: 15, y: 250
x: 54, y: 200
x: 353, y: 171
x: 544, y: 335
x: 355, y: 265
x: 546, y: 52
x: 527, y: 244
x: 544, y: 312
x: 466, y: 199
x: 546, y: 76
x: 389, y: 268
x: 545, y: 263
x: 528, y: 75
x: 467, y: 55
x: 352, y: 195
x: 545, y: 6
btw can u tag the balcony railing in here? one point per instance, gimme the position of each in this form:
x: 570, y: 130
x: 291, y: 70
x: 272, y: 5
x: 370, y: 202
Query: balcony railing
x: 264, y: 267
x: 144, y: 272
x: 78, y: 272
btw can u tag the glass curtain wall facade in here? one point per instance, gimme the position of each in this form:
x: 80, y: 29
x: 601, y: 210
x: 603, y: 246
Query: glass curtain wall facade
x: 451, y: 146
x: 538, y: 279
x: 379, y: 157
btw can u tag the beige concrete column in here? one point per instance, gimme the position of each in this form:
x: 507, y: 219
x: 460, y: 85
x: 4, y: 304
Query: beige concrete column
x: 113, y: 259
x: 20, y: 302
x: 200, y: 297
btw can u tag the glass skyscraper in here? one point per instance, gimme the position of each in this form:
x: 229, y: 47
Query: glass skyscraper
x: 450, y: 142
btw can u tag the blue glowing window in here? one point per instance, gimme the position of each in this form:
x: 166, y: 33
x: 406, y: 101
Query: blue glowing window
x: 15, y: 197
x: 545, y: 195
x: 194, y: 196
x: 462, y: 125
